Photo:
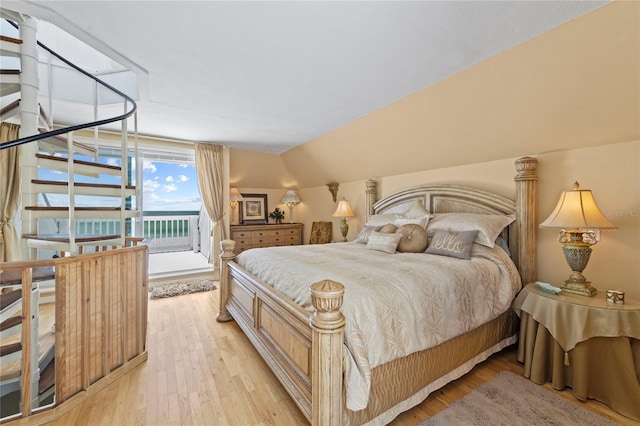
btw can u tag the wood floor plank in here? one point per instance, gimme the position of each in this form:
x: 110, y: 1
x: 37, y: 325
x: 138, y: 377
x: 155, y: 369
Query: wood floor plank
x: 201, y: 372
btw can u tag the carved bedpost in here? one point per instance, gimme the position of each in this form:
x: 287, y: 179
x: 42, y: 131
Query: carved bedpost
x: 527, y: 217
x: 227, y: 247
x: 327, y: 325
x: 371, y: 197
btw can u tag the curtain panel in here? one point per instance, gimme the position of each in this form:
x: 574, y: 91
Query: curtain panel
x: 209, y: 167
x: 9, y: 194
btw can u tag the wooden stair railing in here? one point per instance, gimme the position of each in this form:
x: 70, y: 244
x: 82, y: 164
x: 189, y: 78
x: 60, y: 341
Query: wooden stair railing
x: 100, y: 325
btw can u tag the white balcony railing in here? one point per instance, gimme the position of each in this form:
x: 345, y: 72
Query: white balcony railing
x: 170, y: 233
x: 166, y: 232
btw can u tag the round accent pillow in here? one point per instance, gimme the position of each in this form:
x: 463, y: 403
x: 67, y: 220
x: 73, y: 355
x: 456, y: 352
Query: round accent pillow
x: 414, y: 238
x: 389, y: 228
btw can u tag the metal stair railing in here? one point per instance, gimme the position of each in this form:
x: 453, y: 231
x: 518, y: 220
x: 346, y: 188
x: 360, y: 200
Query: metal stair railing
x: 73, y: 128
x: 130, y: 109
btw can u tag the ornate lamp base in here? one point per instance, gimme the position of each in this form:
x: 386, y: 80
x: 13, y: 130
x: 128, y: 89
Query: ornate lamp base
x: 577, y: 250
x: 580, y: 288
x: 344, y: 228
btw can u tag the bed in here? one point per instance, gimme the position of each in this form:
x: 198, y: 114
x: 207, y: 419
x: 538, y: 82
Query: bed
x: 309, y: 344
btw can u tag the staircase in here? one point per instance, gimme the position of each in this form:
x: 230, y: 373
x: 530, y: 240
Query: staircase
x: 62, y: 179
x: 70, y: 153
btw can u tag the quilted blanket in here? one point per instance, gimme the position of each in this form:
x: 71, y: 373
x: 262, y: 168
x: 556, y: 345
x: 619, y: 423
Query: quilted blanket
x: 394, y: 304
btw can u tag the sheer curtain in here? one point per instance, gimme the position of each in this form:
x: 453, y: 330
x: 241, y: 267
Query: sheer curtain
x: 209, y: 166
x: 9, y: 193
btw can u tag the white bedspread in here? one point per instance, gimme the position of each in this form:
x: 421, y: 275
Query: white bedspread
x: 394, y: 304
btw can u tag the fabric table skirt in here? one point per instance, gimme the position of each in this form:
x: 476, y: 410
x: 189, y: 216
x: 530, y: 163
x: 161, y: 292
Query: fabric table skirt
x: 606, y: 369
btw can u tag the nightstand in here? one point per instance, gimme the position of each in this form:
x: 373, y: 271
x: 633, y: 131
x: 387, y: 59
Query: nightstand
x: 582, y: 342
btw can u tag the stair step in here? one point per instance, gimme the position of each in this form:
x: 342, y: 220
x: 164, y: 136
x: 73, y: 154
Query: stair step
x: 63, y: 238
x: 11, y: 348
x: 10, y: 110
x: 9, y: 298
x: 54, y: 144
x: 103, y: 213
x: 10, y: 327
x: 10, y: 323
x: 10, y: 277
x: 81, y: 188
x: 10, y: 46
x: 10, y: 82
x: 87, y: 168
x: 47, y: 377
x: 60, y: 242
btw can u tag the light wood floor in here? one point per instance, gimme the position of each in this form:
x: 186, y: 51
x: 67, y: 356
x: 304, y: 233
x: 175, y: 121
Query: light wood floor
x: 200, y: 372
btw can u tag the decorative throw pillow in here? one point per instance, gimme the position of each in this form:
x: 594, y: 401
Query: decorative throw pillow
x: 363, y: 235
x: 489, y: 226
x: 414, y: 238
x: 452, y: 243
x: 417, y: 209
x: 389, y: 228
x: 381, y: 219
x: 383, y: 242
x: 422, y: 220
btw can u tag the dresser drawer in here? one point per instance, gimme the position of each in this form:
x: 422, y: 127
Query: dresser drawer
x: 255, y: 236
x: 258, y: 239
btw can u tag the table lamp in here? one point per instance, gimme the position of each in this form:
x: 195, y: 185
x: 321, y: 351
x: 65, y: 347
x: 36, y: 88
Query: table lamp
x: 343, y: 211
x: 291, y: 199
x: 578, y: 217
x: 234, y: 197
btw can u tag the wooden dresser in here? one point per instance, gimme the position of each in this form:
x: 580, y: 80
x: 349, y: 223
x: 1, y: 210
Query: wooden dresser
x: 252, y: 236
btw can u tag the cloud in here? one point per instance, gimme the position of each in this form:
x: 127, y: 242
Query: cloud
x: 170, y: 188
x: 113, y: 162
x: 169, y: 179
x: 148, y: 165
x: 182, y: 178
x: 150, y: 185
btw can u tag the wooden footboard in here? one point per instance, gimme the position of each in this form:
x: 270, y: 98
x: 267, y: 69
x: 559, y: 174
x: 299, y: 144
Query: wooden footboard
x: 304, y: 351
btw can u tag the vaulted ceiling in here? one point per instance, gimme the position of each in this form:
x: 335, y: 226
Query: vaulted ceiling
x: 270, y: 76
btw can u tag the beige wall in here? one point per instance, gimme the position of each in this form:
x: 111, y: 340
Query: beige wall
x: 257, y: 169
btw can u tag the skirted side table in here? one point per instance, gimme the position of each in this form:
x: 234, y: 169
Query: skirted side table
x: 582, y: 342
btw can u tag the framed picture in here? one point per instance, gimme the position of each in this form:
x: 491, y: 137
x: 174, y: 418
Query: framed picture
x: 253, y: 209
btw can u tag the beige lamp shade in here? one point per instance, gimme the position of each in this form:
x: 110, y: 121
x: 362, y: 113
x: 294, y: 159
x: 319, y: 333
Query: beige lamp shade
x: 234, y: 194
x: 577, y: 209
x: 343, y: 210
x: 290, y: 197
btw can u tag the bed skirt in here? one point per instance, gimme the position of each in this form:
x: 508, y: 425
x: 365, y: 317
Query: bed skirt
x: 410, y: 379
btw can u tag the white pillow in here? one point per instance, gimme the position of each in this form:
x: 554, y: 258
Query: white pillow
x: 421, y: 220
x: 416, y: 210
x: 363, y: 235
x: 381, y: 219
x: 489, y: 226
x: 383, y: 242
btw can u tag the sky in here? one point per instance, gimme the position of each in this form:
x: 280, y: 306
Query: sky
x: 169, y: 186
x: 166, y: 187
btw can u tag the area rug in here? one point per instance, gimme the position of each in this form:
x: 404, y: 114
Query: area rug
x: 181, y: 287
x: 509, y: 399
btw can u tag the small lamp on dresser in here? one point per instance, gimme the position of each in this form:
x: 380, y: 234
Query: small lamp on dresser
x: 234, y: 197
x: 344, y: 211
x: 291, y: 199
x: 579, y: 218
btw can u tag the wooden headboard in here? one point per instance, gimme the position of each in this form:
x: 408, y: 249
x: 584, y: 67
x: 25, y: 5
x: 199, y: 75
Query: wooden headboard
x: 521, y: 234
